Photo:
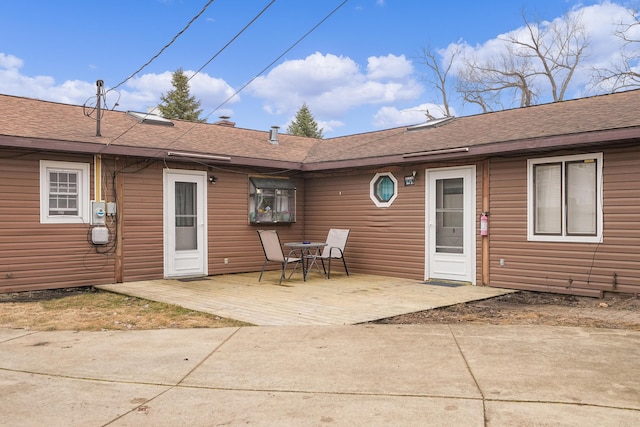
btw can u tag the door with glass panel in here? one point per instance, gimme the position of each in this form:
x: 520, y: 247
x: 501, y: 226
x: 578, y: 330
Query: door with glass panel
x: 450, y: 224
x: 185, y: 230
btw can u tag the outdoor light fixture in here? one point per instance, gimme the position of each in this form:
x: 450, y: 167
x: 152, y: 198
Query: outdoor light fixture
x: 213, y: 179
x: 410, y: 179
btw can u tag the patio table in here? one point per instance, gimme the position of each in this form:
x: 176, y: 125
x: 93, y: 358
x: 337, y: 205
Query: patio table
x: 308, y: 252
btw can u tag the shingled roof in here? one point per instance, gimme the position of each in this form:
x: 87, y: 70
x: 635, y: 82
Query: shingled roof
x: 52, y: 126
x: 600, y: 119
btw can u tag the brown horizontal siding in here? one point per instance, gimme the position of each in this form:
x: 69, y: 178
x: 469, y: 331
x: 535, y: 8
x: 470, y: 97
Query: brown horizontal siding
x: 579, y: 268
x: 141, y: 214
x: 39, y: 256
x: 230, y: 234
x: 385, y: 241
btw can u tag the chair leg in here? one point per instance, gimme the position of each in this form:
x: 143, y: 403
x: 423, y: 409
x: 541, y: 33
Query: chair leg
x: 345, y: 266
x: 282, y: 272
x: 263, y: 266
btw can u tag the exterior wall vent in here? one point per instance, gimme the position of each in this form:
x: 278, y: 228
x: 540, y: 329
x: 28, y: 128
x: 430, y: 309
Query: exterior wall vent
x: 273, y: 135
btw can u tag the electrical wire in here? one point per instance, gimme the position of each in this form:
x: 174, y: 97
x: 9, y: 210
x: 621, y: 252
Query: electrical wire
x: 279, y: 57
x: 89, y: 109
x: 164, y: 48
x: 200, y: 69
x: 233, y: 39
x: 259, y: 73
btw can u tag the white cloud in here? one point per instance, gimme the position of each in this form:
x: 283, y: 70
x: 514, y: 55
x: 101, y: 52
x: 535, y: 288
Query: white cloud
x: 10, y: 62
x: 329, y: 126
x: 138, y: 94
x: 332, y: 85
x: 389, y: 67
x: 14, y: 83
x: 599, y: 22
x: 145, y: 91
x: 388, y: 117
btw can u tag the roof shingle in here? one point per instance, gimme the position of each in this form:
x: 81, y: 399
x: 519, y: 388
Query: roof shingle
x: 48, y: 121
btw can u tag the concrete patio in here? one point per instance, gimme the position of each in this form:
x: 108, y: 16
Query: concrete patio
x: 342, y: 300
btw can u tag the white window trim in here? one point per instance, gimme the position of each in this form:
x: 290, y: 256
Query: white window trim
x: 530, y: 200
x: 372, y: 190
x: 83, y: 192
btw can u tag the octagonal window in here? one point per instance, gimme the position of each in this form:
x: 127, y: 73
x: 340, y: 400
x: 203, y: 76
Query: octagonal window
x: 383, y: 189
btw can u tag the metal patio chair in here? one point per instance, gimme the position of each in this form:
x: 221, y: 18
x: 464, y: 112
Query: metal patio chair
x: 336, y: 242
x: 273, y: 253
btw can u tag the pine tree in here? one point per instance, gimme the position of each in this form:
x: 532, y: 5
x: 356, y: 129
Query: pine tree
x: 178, y: 103
x: 304, y: 124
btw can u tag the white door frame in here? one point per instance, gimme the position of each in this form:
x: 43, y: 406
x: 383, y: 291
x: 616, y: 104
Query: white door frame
x: 183, y: 263
x: 458, y: 267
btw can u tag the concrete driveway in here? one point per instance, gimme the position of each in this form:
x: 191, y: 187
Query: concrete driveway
x: 365, y: 375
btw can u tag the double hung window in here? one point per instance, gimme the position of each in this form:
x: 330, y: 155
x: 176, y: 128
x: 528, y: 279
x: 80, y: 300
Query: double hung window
x: 64, y: 192
x: 565, y: 198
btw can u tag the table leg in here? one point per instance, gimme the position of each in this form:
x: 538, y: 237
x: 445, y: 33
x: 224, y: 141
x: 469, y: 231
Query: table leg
x: 313, y: 260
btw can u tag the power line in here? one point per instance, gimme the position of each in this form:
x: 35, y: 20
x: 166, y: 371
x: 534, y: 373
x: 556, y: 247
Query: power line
x: 278, y: 58
x: 164, y: 48
x: 248, y: 82
x: 233, y: 39
x: 260, y: 73
x: 200, y: 69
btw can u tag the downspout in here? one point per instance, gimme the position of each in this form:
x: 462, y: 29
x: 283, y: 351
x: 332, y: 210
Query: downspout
x: 97, y: 178
x: 119, y: 261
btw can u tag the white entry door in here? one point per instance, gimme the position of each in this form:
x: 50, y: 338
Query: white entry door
x: 451, y: 236
x: 185, y: 223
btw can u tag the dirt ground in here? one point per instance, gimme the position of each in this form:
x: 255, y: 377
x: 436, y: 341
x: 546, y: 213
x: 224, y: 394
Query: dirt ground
x: 614, y: 311
x: 89, y: 309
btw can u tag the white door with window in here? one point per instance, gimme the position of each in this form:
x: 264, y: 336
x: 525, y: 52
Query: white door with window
x: 451, y: 237
x: 185, y: 223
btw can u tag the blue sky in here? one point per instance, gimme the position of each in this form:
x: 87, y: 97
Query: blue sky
x: 358, y: 71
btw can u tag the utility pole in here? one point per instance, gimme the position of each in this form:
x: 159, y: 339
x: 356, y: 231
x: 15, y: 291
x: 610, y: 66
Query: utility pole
x: 99, y: 85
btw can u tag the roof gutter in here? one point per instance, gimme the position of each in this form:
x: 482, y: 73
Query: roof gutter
x: 507, y: 147
x: 499, y: 148
x: 436, y: 152
x: 83, y: 147
x: 199, y: 156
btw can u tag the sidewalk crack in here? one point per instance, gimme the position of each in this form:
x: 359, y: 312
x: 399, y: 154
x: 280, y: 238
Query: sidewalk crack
x: 475, y: 381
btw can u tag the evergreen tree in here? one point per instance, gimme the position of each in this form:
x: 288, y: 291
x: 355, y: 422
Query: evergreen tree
x: 178, y: 103
x: 304, y: 124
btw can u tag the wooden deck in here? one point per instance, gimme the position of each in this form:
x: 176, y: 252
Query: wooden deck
x: 342, y: 300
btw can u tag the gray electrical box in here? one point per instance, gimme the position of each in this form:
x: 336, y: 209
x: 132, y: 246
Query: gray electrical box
x: 111, y: 208
x: 98, y: 213
x: 100, y: 235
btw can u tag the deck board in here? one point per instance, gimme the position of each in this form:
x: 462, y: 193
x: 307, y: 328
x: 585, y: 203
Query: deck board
x: 342, y: 300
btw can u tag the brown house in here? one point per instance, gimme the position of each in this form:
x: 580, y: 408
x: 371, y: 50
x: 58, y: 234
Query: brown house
x: 133, y: 196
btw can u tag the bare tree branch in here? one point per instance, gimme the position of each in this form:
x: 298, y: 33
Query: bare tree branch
x: 623, y: 75
x: 543, y: 55
x: 439, y: 72
x: 484, y: 83
x: 557, y: 47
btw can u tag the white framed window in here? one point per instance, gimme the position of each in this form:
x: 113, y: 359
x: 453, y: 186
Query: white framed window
x: 64, y: 192
x: 564, y: 198
x: 383, y: 189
